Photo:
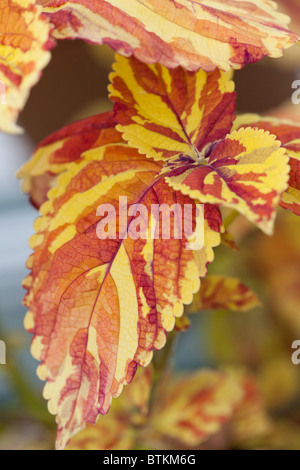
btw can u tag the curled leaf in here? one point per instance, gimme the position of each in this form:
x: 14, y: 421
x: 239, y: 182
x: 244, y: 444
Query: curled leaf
x: 221, y: 292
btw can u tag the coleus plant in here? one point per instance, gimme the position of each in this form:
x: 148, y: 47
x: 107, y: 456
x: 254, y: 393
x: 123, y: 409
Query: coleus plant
x: 98, y: 308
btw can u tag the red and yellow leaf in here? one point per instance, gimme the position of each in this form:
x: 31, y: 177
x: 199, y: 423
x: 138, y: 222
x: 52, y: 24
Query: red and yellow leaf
x: 194, y: 408
x: 247, y: 171
x: 185, y: 412
x: 289, y: 135
x: 116, y: 430
x: 112, y: 432
x: 221, y: 292
x: 98, y: 307
x: 166, y: 112
x: 24, y: 52
x: 54, y: 154
x: 184, y: 118
x: 191, y: 33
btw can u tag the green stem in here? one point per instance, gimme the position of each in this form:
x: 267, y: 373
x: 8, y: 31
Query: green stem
x: 162, y: 358
x: 230, y: 218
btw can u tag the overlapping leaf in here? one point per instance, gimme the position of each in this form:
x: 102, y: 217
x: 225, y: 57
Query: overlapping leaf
x: 24, y: 52
x: 289, y: 134
x: 247, y: 171
x: 221, y: 292
x: 98, y: 307
x: 55, y: 153
x: 191, y: 33
x: 194, y: 408
x: 183, y: 118
x: 185, y: 412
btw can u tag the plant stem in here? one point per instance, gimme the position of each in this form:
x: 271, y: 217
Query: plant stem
x: 230, y: 218
x: 162, y: 358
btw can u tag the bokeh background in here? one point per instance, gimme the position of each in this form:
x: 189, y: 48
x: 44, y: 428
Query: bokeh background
x: 73, y: 86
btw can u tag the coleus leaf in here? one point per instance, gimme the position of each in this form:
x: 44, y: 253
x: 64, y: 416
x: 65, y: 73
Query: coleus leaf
x: 24, y: 51
x: 118, y: 429
x: 289, y: 134
x: 54, y: 154
x: 191, y: 33
x: 165, y: 112
x: 98, y: 307
x: 189, y: 410
x: 184, y: 119
x: 184, y: 413
x: 221, y: 292
x: 154, y: 31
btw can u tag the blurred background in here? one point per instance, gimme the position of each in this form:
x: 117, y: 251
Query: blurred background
x: 73, y: 86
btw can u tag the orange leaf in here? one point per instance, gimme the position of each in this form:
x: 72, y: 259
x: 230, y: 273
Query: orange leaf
x: 289, y: 135
x: 116, y: 430
x: 191, y: 33
x: 165, y: 112
x: 221, y: 292
x: 194, y: 408
x: 24, y: 44
x: 184, y: 119
x: 54, y: 154
x: 98, y: 307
